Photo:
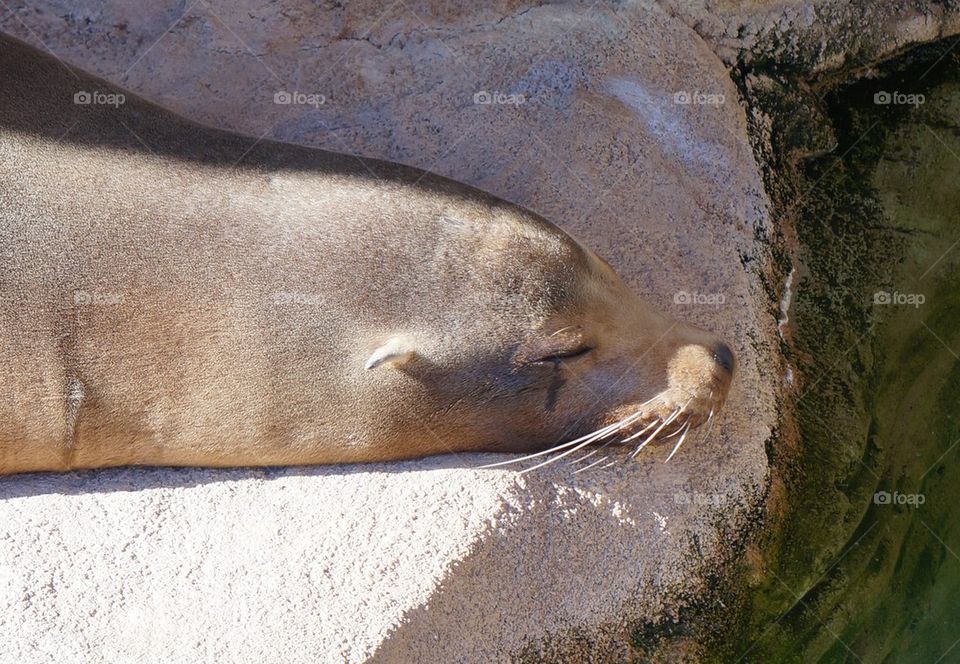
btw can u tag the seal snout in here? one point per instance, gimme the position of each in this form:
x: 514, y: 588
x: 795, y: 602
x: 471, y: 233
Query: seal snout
x: 699, y: 375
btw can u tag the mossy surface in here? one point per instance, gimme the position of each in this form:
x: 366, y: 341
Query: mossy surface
x: 848, y: 576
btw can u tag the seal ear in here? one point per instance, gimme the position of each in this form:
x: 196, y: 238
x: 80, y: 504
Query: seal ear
x: 395, y: 352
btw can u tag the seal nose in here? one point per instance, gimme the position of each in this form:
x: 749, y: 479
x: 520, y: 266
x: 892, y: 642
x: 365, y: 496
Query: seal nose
x: 724, y: 356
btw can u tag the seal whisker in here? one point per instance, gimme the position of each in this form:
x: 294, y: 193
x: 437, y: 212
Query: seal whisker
x: 607, y: 430
x: 590, y: 453
x: 640, y: 433
x: 587, y: 439
x: 622, y: 423
x: 686, y: 430
x: 650, y: 438
x: 629, y: 419
x: 589, y: 466
x: 643, y: 443
x: 667, y: 421
x: 556, y: 458
x: 670, y: 419
x: 579, y: 442
x: 709, y: 426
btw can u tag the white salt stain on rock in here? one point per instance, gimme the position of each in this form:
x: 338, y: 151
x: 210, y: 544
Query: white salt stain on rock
x: 661, y: 521
x: 664, y: 119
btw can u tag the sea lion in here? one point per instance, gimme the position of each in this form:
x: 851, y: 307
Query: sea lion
x: 178, y: 295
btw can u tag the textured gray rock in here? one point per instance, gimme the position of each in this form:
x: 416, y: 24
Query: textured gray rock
x: 811, y: 37
x: 619, y: 124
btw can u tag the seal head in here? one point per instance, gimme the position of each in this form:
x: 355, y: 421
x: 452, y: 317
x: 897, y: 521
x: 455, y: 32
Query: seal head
x: 542, y: 344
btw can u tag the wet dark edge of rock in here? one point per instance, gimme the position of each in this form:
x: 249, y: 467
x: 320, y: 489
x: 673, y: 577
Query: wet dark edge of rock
x: 826, y: 138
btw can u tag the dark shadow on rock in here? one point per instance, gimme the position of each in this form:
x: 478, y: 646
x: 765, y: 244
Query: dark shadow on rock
x: 139, y: 478
x: 537, y: 577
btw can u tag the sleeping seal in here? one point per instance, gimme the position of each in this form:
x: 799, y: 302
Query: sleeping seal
x: 177, y: 295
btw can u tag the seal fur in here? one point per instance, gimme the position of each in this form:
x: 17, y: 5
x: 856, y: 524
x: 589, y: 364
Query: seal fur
x: 179, y: 295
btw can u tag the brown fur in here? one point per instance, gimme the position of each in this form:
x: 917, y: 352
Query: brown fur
x: 177, y: 295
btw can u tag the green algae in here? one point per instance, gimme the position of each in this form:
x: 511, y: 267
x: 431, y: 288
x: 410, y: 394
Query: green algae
x: 849, y: 574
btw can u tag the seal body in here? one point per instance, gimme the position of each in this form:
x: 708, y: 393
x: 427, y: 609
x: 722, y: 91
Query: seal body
x: 178, y: 295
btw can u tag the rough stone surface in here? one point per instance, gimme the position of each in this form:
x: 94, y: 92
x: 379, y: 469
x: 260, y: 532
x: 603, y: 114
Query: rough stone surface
x: 433, y: 560
x: 813, y: 37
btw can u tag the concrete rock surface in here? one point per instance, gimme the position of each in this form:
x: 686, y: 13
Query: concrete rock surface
x: 620, y: 124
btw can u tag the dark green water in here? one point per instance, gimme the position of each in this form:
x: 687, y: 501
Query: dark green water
x: 857, y: 576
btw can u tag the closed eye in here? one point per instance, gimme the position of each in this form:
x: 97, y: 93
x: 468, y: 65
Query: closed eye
x: 565, y: 354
